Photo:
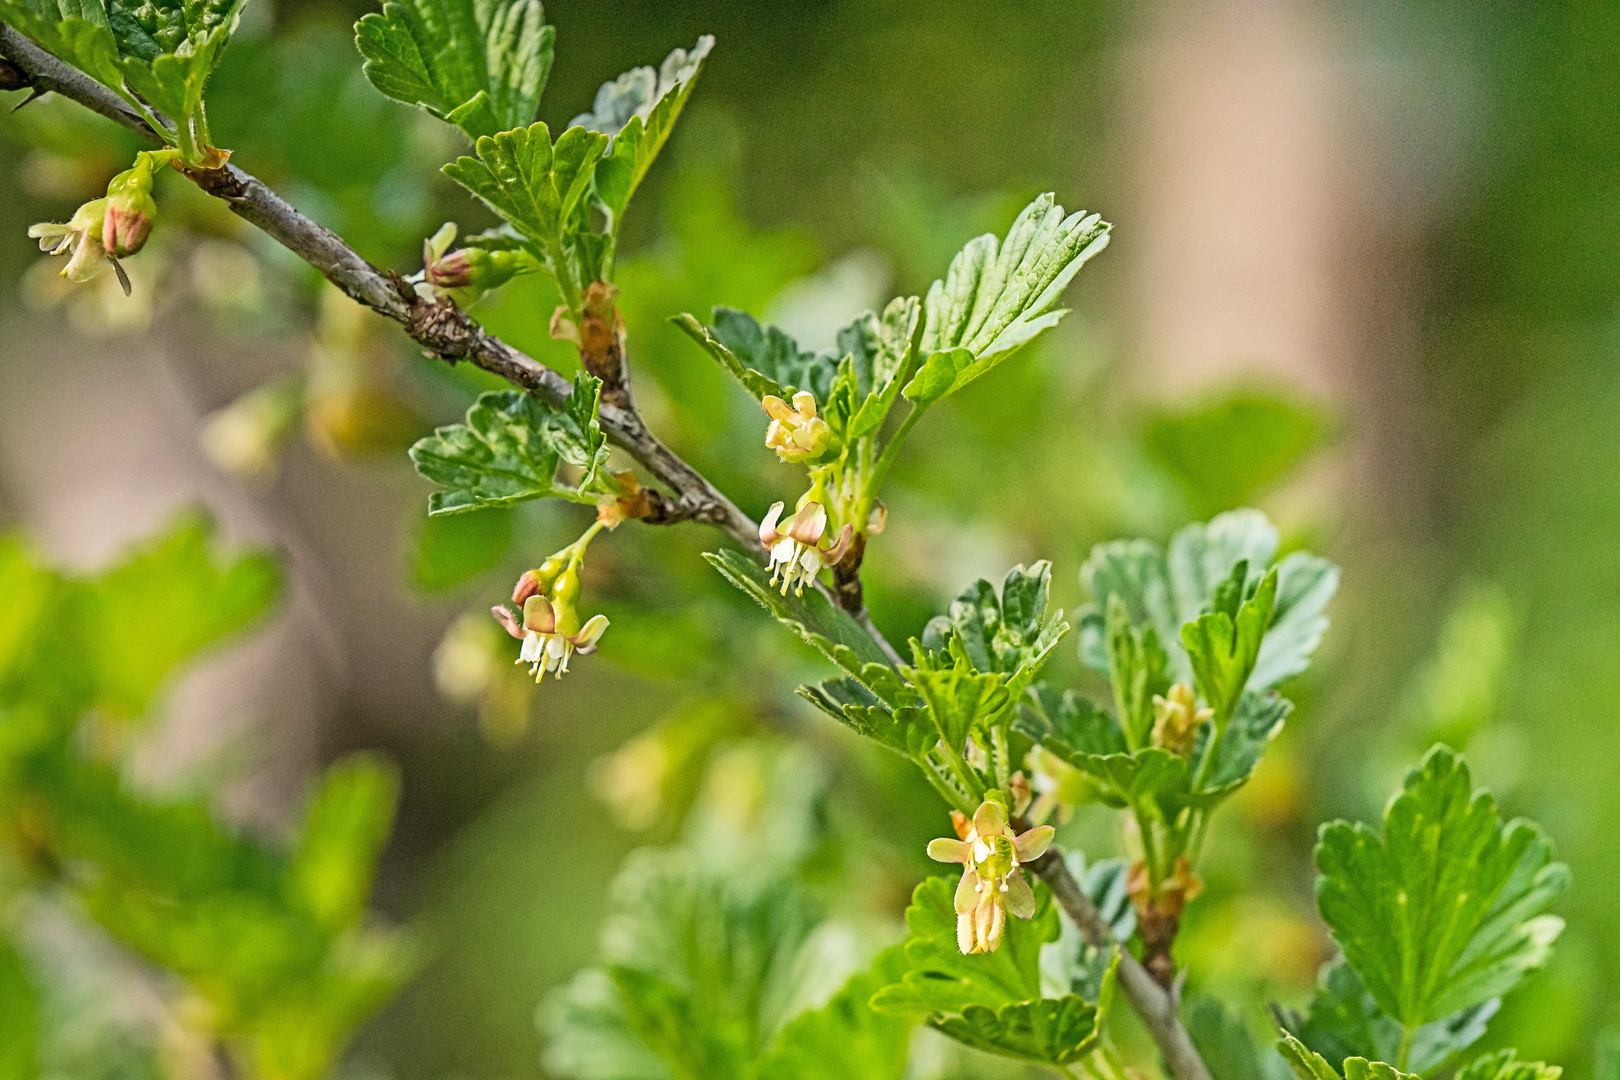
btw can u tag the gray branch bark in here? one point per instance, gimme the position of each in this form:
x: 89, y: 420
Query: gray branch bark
x: 1155, y: 1005
x: 448, y: 333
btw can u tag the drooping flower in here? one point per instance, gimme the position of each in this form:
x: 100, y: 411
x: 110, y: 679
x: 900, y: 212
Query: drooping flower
x: 551, y: 637
x: 992, y: 883
x: 1177, y: 719
x: 795, y: 433
x: 796, y: 552
x: 81, y: 234
x: 550, y: 628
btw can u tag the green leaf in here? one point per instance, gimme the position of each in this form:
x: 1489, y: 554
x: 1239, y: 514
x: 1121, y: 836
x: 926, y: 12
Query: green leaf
x: 700, y: 962
x: 960, y: 700
x: 168, y: 600
x: 1222, y: 1039
x: 455, y: 548
x: 1361, y: 1069
x: 846, y: 1039
x: 941, y: 980
x: 639, y: 109
x: 1502, y: 1065
x: 478, y: 64
x: 1089, y: 739
x: 1136, y: 672
x: 764, y: 359
x: 537, y: 188
x: 1001, y: 633
x: 347, y: 824
x: 588, y: 1034
x: 1057, y: 1031
x: 18, y: 1023
x: 811, y: 616
x: 1166, y: 591
x: 881, y: 346
x: 164, y: 50
x: 847, y: 700
x: 1070, y: 726
x: 997, y: 298
x: 1344, y: 1021
x: 1446, y: 909
x: 855, y: 384
x: 510, y: 447
x: 1223, y: 651
x: 1305, y: 584
x: 1227, y: 452
x: 1306, y: 1063
x: 1257, y: 720
x: 989, y: 1000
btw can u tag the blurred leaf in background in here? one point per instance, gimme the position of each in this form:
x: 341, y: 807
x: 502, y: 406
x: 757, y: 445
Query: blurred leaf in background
x: 1226, y: 451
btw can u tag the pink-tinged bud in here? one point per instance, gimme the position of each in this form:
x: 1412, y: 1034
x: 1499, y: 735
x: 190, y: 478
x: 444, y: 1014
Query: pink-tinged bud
x: 528, y: 585
x: 124, y: 232
x: 454, y: 271
x: 127, y: 221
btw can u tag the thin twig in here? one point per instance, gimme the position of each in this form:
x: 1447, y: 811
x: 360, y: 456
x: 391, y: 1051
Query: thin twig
x: 1155, y: 1005
x: 448, y: 333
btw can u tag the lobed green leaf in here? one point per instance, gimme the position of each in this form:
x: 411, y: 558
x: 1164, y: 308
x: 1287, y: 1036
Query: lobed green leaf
x: 989, y: 1000
x: 168, y: 600
x: 1447, y: 909
x: 811, y: 616
x: 479, y: 64
x: 509, y: 449
x: 639, y: 109
x: 998, y: 297
x: 1344, y: 1021
x: 846, y: 1039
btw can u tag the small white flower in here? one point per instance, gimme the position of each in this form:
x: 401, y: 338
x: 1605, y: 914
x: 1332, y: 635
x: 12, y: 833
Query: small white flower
x: 551, y: 635
x: 796, y: 552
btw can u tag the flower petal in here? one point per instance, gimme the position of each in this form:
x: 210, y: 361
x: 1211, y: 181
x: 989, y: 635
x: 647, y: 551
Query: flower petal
x: 538, y: 615
x: 990, y: 819
x: 777, y: 409
x: 1019, y: 897
x: 1032, y: 845
x: 967, y: 893
x: 835, y: 554
x: 767, y: 528
x: 504, y: 616
x: 946, y: 849
x: 589, y: 634
x: 808, y: 524
x: 804, y: 403
x: 964, y: 931
x: 528, y: 585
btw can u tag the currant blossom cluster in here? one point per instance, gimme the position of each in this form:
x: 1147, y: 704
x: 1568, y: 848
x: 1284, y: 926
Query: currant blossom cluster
x: 547, y: 620
x: 110, y: 228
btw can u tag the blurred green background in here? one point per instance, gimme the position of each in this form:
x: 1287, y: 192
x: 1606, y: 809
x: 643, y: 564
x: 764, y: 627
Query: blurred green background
x: 1365, y: 275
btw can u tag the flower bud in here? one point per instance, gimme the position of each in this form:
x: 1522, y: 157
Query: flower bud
x: 124, y: 230
x: 127, y: 220
x: 470, y: 271
x: 539, y: 580
x: 1177, y: 719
